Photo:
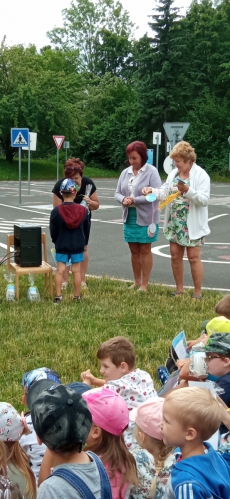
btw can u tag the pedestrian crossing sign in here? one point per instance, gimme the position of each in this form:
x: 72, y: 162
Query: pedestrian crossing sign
x: 19, y: 137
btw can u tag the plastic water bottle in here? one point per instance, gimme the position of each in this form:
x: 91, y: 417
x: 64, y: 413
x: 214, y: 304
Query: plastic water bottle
x: 33, y: 294
x: 10, y: 292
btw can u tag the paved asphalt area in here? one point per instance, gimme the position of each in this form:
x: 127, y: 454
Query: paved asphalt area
x: 109, y: 255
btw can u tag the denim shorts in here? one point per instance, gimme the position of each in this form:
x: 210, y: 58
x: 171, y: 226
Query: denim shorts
x: 68, y: 258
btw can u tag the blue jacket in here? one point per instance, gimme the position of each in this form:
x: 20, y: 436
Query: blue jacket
x: 68, y: 224
x: 205, y: 476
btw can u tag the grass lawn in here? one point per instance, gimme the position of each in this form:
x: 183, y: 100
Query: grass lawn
x: 42, y: 169
x: 66, y: 336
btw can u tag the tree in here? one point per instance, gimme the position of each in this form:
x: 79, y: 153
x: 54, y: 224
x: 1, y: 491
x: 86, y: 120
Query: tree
x: 160, y: 67
x: 41, y: 92
x: 97, y: 30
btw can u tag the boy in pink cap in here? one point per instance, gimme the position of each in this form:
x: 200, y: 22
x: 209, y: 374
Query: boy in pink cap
x: 154, y: 459
x: 117, y: 359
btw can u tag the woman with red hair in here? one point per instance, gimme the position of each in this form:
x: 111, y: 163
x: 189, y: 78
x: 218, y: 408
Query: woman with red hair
x: 73, y: 168
x: 138, y: 213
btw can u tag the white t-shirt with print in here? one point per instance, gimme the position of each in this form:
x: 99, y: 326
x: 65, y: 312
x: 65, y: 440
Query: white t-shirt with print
x: 135, y: 387
x: 32, y: 448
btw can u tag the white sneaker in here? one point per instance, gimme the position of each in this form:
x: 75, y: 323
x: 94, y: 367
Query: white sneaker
x: 84, y: 285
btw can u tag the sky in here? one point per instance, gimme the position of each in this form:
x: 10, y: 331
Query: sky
x: 28, y: 21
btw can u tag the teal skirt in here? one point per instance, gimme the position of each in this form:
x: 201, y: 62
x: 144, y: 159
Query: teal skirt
x: 134, y: 233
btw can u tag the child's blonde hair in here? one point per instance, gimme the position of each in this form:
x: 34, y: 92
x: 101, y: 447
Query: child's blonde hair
x: 112, y: 450
x: 197, y: 408
x: 156, y: 448
x: 223, y: 307
x: 18, y: 457
x: 119, y: 349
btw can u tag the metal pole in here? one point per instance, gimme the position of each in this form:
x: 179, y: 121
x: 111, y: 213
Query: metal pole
x: 57, y: 163
x: 29, y: 166
x: 229, y: 161
x: 157, y: 156
x: 20, y: 172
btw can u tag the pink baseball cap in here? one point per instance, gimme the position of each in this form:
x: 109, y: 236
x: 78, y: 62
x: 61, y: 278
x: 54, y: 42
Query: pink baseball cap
x: 148, y: 416
x: 109, y: 410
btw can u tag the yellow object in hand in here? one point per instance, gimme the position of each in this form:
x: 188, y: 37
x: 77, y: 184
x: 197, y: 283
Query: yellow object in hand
x: 168, y: 199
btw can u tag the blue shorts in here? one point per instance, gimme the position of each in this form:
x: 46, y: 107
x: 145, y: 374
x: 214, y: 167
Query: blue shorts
x: 68, y: 258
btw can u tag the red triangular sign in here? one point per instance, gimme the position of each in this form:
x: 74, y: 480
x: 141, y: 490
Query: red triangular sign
x: 58, y: 139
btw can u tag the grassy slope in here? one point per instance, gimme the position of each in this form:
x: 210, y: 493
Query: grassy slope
x: 47, y: 170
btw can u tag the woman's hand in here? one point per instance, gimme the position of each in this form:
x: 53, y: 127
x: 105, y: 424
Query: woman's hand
x: 182, y: 187
x: 92, y: 201
x: 128, y: 201
x: 146, y: 190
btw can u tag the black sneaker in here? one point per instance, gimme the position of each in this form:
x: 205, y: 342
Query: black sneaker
x: 76, y: 298
x: 57, y: 299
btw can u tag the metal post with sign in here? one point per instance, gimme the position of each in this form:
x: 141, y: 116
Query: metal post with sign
x: 20, y: 138
x: 157, y: 142
x: 58, y: 139
x: 32, y: 147
x: 175, y: 131
x: 66, y: 145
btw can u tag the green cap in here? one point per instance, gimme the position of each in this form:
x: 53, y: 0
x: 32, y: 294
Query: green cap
x: 218, y: 343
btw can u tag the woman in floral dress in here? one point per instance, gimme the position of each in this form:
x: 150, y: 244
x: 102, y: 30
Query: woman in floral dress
x: 186, y: 217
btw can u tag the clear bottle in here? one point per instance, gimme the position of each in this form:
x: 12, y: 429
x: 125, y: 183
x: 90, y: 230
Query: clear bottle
x: 10, y: 292
x: 33, y: 293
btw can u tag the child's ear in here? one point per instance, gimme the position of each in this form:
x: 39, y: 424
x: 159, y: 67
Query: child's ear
x: 191, y: 434
x: 24, y: 399
x: 124, y: 367
x: 226, y: 361
x: 96, y: 432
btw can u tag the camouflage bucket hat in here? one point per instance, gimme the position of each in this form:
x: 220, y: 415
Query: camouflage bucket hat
x: 59, y: 414
x: 218, y: 343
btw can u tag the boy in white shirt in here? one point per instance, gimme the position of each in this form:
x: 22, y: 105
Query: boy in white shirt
x: 117, y: 359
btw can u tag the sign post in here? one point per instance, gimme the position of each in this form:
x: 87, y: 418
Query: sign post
x: 32, y: 147
x: 157, y: 142
x: 58, y: 139
x: 175, y: 131
x: 66, y: 145
x: 20, y: 138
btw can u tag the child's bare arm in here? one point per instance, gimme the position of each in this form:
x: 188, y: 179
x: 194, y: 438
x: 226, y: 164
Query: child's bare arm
x: 191, y: 343
x: 89, y: 379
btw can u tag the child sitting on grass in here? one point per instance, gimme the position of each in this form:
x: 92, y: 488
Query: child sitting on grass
x: 216, y: 325
x: 12, y: 427
x: 29, y: 442
x: 68, y: 223
x: 117, y: 359
x: 191, y: 416
x: 154, y: 459
x: 63, y: 421
x: 110, y: 417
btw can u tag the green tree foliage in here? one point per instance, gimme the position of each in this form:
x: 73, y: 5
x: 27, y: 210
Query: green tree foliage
x: 38, y: 91
x: 160, y: 63
x: 99, y: 30
x: 112, y: 120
